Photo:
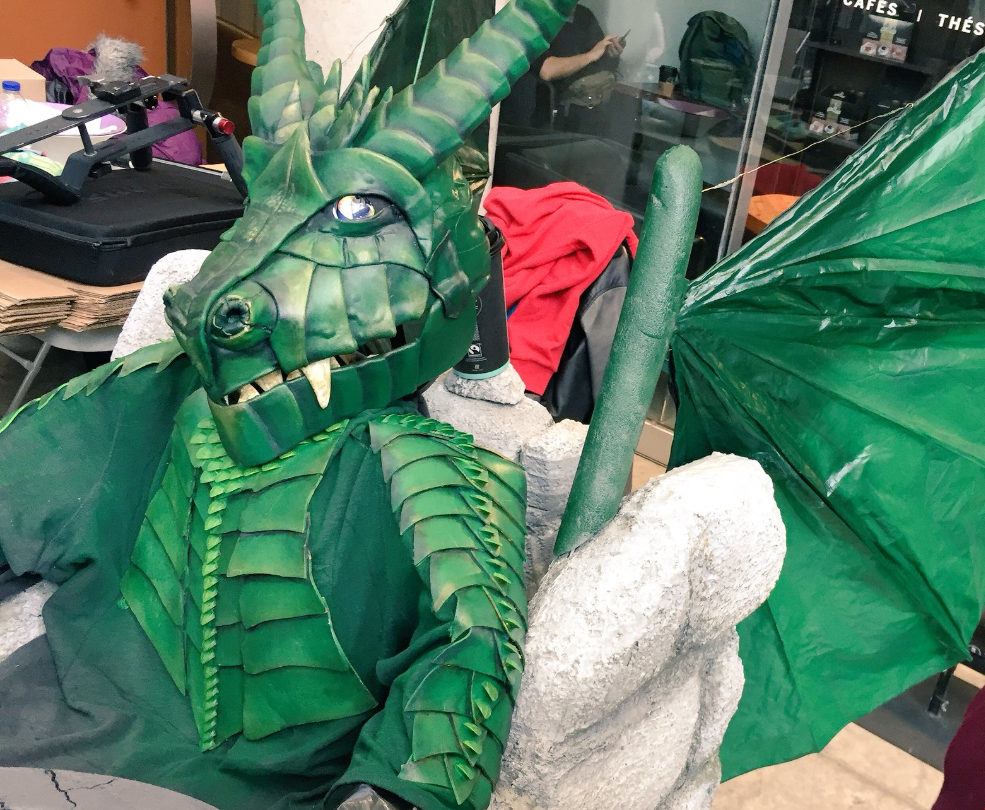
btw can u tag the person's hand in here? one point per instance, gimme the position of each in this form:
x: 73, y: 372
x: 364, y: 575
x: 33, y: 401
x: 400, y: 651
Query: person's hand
x: 611, y: 45
x: 617, y: 46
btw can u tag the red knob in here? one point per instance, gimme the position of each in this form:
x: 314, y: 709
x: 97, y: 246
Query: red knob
x: 224, y: 126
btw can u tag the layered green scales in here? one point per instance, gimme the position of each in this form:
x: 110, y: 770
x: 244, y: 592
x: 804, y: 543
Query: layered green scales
x: 221, y: 581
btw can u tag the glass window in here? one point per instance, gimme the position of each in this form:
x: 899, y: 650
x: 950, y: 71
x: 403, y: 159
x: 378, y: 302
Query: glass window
x: 788, y: 88
x: 676, y: 73
x: 844, y: 67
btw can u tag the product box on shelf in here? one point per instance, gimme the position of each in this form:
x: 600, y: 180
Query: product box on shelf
x: 886, y: 37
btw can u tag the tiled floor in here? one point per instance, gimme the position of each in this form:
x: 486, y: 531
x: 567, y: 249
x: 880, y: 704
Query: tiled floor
x: 644, y: 470
x: 856, y: 770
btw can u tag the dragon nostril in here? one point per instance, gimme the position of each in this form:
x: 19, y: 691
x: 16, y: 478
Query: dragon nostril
x: 242, y: 317
x: 232, y: 317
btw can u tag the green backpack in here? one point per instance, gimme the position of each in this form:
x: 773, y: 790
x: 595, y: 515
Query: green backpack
x: 717, y: 61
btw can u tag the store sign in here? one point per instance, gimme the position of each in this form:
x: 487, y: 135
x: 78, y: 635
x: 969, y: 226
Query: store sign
x: 915, y: 13
x: 887, y: 29
x: 882, y: 7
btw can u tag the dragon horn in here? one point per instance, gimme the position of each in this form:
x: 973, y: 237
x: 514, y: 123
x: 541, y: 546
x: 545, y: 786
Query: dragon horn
x: 284, y: 86
x: 427, y: 122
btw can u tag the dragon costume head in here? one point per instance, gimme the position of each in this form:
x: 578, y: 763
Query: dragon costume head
x: 350, y: 281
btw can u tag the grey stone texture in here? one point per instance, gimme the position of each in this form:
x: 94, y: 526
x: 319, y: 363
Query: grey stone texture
x: 632, y: 669
x: 146, y: 325
x: 506, y: 388
x: 551, y: 460
x: 37, y: 789
x: 503, y: 428
x: 20, y: 617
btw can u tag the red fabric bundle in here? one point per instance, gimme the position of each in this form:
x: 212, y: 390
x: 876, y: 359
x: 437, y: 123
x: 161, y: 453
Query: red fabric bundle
x: 558, y: 240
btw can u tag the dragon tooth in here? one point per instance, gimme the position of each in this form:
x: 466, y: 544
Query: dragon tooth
x: 294, y: 375
x: 268, y: 381
x: 247, y: 392
x: 376, y: 347
x: 350, y: 358
x: 319, y: 375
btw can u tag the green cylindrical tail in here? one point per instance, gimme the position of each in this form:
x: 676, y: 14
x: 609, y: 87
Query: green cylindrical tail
x: 655, y: 294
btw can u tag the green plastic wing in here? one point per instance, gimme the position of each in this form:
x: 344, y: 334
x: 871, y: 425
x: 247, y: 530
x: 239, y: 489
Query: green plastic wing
x: 845, y: 350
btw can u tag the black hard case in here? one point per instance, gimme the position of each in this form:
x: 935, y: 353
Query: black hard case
x: 126, y: 221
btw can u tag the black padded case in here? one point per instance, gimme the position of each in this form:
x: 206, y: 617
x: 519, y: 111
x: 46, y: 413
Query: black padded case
x: 125, y: 222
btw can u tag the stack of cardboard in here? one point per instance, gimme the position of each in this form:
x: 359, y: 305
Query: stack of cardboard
x: 32, y: 301
x: 96, y: 307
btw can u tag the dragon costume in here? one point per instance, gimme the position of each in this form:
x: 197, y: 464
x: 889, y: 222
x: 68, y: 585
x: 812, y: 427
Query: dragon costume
x: 279, y: 581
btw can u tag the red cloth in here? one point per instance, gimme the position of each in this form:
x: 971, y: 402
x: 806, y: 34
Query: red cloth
x: 559, y: 238
x: 964, y: 763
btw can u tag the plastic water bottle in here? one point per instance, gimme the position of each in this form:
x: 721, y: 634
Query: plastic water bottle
x: 13, y: 106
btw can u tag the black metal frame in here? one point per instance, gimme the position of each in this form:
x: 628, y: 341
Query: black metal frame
x: 938, y: 701
x: 132, y: 99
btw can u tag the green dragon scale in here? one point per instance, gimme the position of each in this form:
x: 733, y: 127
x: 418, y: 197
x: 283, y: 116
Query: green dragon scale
x: 285, y: 568
x: 222, y: 583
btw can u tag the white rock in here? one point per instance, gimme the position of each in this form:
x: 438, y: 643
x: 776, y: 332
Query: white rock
x: 506, y: 388
x: 503, y: 428
x: 721, y: 687
x: 699, y: 789
x: 550, y: 460
x: 20, y: 617
x: 741, y: 543
x: 145, y: 325
x: 632, y: 671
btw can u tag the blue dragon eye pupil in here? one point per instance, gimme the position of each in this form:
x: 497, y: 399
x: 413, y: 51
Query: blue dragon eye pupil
x: 354, y: 208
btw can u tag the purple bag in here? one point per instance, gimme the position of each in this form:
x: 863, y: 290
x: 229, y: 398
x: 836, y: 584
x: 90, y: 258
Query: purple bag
x: 64, y: 67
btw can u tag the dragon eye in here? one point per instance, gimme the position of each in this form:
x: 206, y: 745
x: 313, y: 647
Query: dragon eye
x: 354, y: 208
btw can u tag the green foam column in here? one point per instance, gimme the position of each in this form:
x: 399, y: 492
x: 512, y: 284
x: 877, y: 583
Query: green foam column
x: 654, y: 297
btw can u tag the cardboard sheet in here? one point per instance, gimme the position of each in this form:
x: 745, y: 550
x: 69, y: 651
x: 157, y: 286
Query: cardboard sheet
x: 31, y: 301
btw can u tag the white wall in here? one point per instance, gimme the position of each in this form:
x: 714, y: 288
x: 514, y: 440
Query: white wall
x: 618, y: 16
x: 343, y: 29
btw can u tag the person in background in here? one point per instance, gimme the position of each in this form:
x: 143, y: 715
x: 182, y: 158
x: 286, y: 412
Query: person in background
x: 581, y: 51
x: 581, y: 47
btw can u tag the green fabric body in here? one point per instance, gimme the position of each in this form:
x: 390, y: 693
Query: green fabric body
x: 221, y: 582
x: 404, y: 674
x: 843, y: 350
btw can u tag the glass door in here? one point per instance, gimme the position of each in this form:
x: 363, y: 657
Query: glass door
x: 844, y: 68
x: 681, y: 74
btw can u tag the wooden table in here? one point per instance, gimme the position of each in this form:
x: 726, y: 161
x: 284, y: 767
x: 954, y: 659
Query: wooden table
x: 245, y: 50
